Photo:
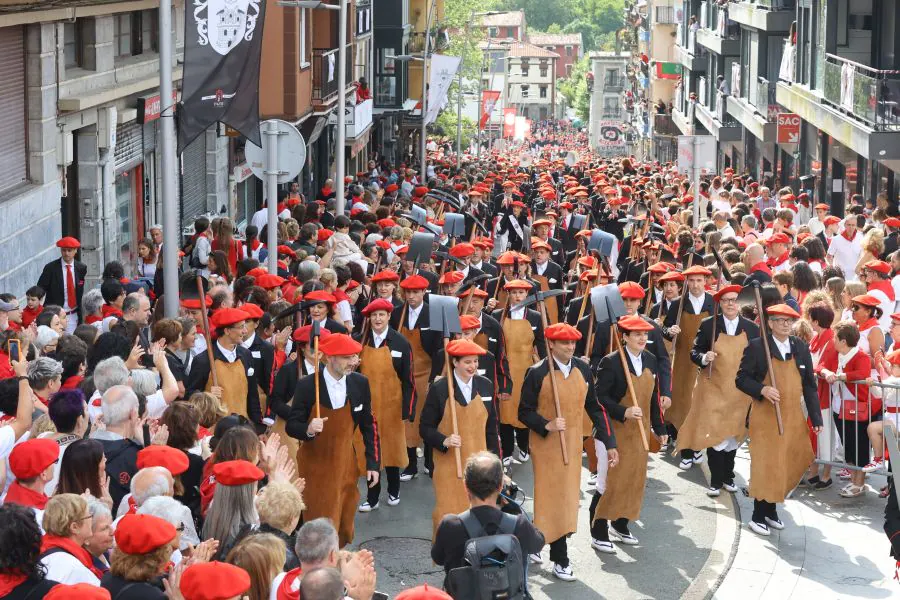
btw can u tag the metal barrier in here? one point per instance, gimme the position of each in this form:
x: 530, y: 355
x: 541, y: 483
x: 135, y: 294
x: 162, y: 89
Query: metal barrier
x: 831, y: 437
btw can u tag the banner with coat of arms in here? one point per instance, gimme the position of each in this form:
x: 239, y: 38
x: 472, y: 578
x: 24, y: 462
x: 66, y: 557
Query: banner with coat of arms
x: 223, y: 48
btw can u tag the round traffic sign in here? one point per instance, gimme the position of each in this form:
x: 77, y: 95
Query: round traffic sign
x: 291, y: 152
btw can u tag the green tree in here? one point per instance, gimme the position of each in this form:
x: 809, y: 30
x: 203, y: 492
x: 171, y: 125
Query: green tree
x: 540, y: 14
x: 575, y: 90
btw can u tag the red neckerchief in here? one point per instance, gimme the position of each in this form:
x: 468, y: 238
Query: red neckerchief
x: 132, y: 506
x: 10, y: 582
x: 91, y: 319
x: 21, y: 495
x: 255, y: 244
x: 71, y: 382
x: 340, y: 295
x: 280, y: 207
x: 820, y: 340
x: 285, y: 588
x: 50, y: 541
x: 203, y: 432
x: 326, y: 191
x: 849, y: 239
x: 769, y: 225
x: 108, y: 310
x: 884, y: 286
x: 761, y: 266
x: 29, y: 315
x: 869, y: 324
x: 776, y: 262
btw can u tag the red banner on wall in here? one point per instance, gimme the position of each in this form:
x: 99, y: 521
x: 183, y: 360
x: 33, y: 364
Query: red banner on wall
x: 489, y: 99
x: 509, y: 122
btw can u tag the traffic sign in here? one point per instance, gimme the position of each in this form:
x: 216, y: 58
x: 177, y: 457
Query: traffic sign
x: 696, y: 152
x: 788, y: 128
x: 290, y: 156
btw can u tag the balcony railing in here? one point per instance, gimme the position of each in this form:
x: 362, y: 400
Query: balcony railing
x: 777, y: 4
x: 765, y: 95
x: 616, y: 82
x: 665, y: 15
x: 721, y: 111
x: 663, y: 125
x: 325, y: 73
x: 867, y: 94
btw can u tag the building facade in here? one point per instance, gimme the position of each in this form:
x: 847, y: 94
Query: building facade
x: 530, y: 86
x: 608, y: 118
x: 567, y: 45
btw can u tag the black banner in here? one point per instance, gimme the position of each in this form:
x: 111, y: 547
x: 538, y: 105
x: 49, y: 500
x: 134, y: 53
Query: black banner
x: 223, y: 47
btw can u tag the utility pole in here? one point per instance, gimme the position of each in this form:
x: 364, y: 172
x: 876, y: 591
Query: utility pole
x: 171, y: 228
x: 341, y: 108
x: 429, y: 15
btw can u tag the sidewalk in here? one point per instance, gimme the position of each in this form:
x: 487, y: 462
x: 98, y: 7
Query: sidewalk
x: 831, y: 547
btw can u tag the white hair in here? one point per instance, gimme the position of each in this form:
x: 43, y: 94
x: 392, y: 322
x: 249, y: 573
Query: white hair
x: 176, y: 513
x: 97, y: 509
x: 117, y: 403
x: 44, y: 336
x: 143, y: 382
x: 92, y: 301
x: 150, y: 482
x: 110, y: 372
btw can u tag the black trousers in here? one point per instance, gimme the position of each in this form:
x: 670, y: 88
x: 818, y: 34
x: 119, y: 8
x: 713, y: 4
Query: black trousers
x: 721, y: 467
x: 393, y: 479
x: 559, y: 552
x: 510, y: 434
x: 600, y: 527
x: 413, y: 466
x: 763, y: 509
x: 672, y: 431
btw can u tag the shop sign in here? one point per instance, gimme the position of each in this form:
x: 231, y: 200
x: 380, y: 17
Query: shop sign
x: 150, y: 107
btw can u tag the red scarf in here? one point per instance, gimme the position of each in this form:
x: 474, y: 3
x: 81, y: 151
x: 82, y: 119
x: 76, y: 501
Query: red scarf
x: 255, y: 244
x: 776, y: 262
x: 29, y: 315
x: 50, y: 541
x: 761, y: 266
x: 72, y: 382
x: 869, y: 324
x: 285, y: 588
x: 820, y: 340
x: 21, y: 495
x: 884, y: 286
x: 9, y: 582
x: 132, y: 506
x: 91, y: 319
x: 108, y: 310
x: 849, y: 239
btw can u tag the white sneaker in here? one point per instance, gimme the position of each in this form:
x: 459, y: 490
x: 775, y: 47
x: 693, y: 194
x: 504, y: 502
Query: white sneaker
x: 507, y: 461
x: 520, y: 456
x: 760, y: 528
x: 730, y: 487
x: 564, y: 573
x: 366, y: 507
x: 408, y: 475
x: 393, y: 500
x: 592, y: 479
x: 698, y: 458
x: 601, y: 546
x: 663, y: 448
x: 775, y: 523
x: 713, y: 492
x: 686, y: 464
x: 625, y: 538
x: 536, y: 558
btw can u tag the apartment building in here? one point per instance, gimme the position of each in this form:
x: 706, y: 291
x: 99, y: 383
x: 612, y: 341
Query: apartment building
x: 568, y: 46
x: 664, y: 73
x: 608, y: 117
x: 530, y: 85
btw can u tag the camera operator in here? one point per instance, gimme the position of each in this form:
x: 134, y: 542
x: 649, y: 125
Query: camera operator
x: 484, y: 481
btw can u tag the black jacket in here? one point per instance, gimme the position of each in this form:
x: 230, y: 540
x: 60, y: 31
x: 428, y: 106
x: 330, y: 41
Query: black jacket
x: 283, y: 389
x: 263, y: 355
x: 359, y: 400
x: 200, y: 373
x: 759, y: 276
x: 687, y: 308
x: 121, y: 465
x: 136, y: 590
x: 703, y: 342
x: 51, y: 280
x: 401, y: 357
x: 489, y: 268
x: 531, y: 390
x: 487, y: 367
x: 754, y: 368
x: 612, y: 388
x: 555, y: 281
x: 34, y: 589
x: 436, y: 403
x: 431, y: 340
x: 663, y: 306
x: 515, y: 241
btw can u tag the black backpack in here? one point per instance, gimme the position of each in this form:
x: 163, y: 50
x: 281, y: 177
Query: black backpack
x: 495, y: 566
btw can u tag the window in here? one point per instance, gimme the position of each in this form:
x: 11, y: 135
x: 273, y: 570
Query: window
x: 303, y: 46
x: 568, y: 50
x: 493, y: 32
x: 72, y: 50
x: 149, y: 23
x: 125, y: 42
x: 568, y: 70
x: 511, y: 32
x: 387, y: 83
x: 524, y: 67
x: 544, y: 67
x: 543, y: 91
x: 525, y: 91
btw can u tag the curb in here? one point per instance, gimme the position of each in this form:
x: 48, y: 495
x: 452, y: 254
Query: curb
x: 724, y: 547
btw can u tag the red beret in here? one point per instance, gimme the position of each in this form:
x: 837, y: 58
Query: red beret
x: 518, y: 203
x: 672, y: 276
x: 194, y: 303
x: 142, y: 534
x: 469, y: 322
x: 830, y: 220
x: 539, y: 244
x: 324, y: 234
x: 465, y: 348
x: 391, y: 188
x: 697, y: 270
x: 414, y: 282
x: 385, y: 275
x: 420, y: 191
x: 892, y: 222
x: 589, y: 275
x: 477, y: 292
x: 269, y: 281
x: 257, y: 272
x: 401, y: 250
x: 507, y: 258
x: 660, y: 267
x: 253, y: 311
x: 566, y: 205
x: 728, y: 289
x: 31, y: 458
x: 378, y: 304
x: 173, y: 460
x: 386, y: 223
x: 587, y: 261
x: 784, y: 310
x: 423, y: 592
x: 214, y: 581
x: 562, y: 332
x: 517, y: 284
x: 340, y: 344
x: 452, y: 277
x: 634, y: 323
x: 879, y: 266
x: 319, y: 296
x: 866, y: 300
x: 226, y: 317
x: 541, y: 222
x: 287, y: 251
x: 822, y: 206
x: 462, y: 250
x: 68, y: 242
x: 237, y: 472
x: 302, y: 334
x: 778, y: 238
x: 82, y: 591
x: 631, y: 290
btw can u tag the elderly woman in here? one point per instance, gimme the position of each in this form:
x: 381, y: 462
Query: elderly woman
x: 45, y: 378
x: 279, y: 505
x: 174, y: 512
x: 144, y: 544
x: 68, y: 526
x: 101, y: 540
x: 68, y: 411
x: 45, y: 340
x: 21, y: 573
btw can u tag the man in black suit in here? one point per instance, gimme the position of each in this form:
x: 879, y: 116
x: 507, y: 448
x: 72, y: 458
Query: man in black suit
x: 63, y: 281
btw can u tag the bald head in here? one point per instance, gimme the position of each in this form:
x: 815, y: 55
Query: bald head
x: 322, y: 584
x: 755, y: 254
x: 151, y: 482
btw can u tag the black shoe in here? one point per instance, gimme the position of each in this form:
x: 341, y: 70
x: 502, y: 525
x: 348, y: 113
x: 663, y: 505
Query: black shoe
x: 409, y: 473
x: 823, y: 484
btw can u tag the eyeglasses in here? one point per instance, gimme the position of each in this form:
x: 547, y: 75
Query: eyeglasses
x: 782, y: 320
x: 855, y: 307
x: 728, y: 301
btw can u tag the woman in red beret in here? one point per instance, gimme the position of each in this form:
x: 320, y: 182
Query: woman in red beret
x: 144, y: 546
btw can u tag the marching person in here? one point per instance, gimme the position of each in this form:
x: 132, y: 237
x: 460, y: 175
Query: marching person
x: 549, y: 276
x: 777, y: 462
x: 719, y: 411
x: 386, y: 360
x: 489, y: 336
x: 557, y: 486
x: 620, y: 492
x: 325, y: 417
x: 475, y: 418
x: 696, y: 304
x: 523, y: 333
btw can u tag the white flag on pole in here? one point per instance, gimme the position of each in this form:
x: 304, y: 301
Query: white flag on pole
x: 443, y: 70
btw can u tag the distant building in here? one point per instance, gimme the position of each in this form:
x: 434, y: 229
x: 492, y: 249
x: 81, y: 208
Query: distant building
x: 608, y: 117
x: 567, y: 45
x: 505, y: 25
x: 530, y: 81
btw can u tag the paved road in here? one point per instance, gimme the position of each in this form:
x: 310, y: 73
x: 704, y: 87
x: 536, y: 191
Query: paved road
x: 676, y: 530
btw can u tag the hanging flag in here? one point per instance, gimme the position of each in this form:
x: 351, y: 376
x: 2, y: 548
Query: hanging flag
x: 489, y: 99
x: 509, y: 122
x: 223, y: 47
x: 443, y: 71
x: 667, y: 70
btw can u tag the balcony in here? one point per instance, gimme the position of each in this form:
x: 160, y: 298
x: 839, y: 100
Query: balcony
x: 863, y: 93
x: 357, y: 118
x: 437, y: 42
x: 613, y: 83
x: 717, y: 121
x: 325, y: 74
x: 716, y: 32
x: 363, y: 18
x: 665, y: 15
x: 663, y: 125
x: 764, y: 99
x: 767, y: 15
x: 689, y: 56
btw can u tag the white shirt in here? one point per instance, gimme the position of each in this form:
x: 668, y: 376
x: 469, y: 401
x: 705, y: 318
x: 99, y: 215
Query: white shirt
x: 696, y: 302
x: 65, y: 270
x: 517, y: 313
x: 345, y: 313
x: 310, y: 367
x: 727, y: 232
x: 378, y: 338
x: 465, y: 388
x: 636, y: 361
x: 249, y: 341
x: 846, y: 254
x: 540, y: 268
x: 230, y: 355
x: 62, y: 567
x: 564, y: 369
x: 413, y: 315
x: 731, y: 325
x: 783, y: 347
x: 260, y: 218
x: 337, y: 390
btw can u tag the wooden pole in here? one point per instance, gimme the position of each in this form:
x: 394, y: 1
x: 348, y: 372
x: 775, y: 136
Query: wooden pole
x: 550, y: 361
x: 206, y: 332
x: 713, y: 344
x: 451, y: 384
x: 684, y: 292
x: 316, y: 373
x: 765, y: 337
x: 651, y: 294
x: 630, y: 382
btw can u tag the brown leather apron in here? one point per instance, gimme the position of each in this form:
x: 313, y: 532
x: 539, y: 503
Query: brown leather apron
x: 328, y: 465
x: 683, y: 383
x: 719, y: 409
x: 481, y: 339
x: 233, y: 381
x: 387, y: 400
x: 551, y: 304
x: 520, y: 355
x: 778, y: 462
x: 279, y: 427
x: 625, y: 482
x: 557, y: 487
x: 421, y: 373
x: 449, y: 491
